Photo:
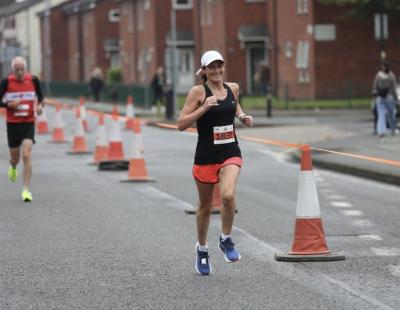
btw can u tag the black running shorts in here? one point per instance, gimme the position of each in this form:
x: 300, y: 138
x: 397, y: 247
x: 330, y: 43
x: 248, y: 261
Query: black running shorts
x: 17, y: 132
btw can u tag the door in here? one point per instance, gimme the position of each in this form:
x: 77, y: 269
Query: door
x: 257, y: 69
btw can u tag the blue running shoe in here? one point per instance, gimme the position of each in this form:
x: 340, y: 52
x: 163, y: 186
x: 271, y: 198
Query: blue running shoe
x: 227, y: 247
x: 203, y: 265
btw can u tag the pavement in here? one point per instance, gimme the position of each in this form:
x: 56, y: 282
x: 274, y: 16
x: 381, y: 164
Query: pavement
x: 341, y: 140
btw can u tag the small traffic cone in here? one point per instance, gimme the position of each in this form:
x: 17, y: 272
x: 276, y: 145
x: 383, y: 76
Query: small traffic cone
x: 79, y: 145
x: 42, y: 126
x: 130, y: 113
x: 83, y: 114
x: 115, y: 156
x: 58, y: 130
x: 101, y: 151
x: 137, y: 165
x: 309, y: 242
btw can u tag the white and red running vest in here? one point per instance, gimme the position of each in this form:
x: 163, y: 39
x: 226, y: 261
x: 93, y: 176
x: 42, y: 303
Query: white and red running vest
x: 24, y: 91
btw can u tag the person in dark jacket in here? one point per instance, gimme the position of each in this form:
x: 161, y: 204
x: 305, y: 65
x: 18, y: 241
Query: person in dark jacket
x: 157, y: 86
x: 96, y: 83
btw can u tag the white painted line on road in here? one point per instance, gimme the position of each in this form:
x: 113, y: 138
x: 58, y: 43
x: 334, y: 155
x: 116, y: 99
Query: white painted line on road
x: 394, y: 270
x: 362, y: 223
x: 341, y: 204
x: 386, y: 251
x: 370, y: 237
x: 358, y: 294
x: 335, y: 197
x: 266, y: 251
x: 352, y: 212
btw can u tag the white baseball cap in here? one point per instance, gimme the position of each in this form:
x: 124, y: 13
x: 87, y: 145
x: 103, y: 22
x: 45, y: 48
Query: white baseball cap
x: 208, y: 57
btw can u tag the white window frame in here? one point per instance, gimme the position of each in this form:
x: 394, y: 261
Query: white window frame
x: 302, y: 55
x: 140, y: 4
x: 377, y: 26
x: 302, y: 7
x: 179, y: 6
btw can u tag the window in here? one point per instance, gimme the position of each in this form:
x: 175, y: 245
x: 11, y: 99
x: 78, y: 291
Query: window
x: 182, y: 4
x: 288, y: 49
x: 146, y: 4
x: 302, y: 6
x: 114, y: 15
x: 302, y: 55
x: 206, y: 13
x: 377, y: 26
x: 140, y: 14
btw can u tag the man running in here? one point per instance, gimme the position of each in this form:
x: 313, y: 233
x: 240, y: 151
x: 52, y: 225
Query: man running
x: 18, y: 93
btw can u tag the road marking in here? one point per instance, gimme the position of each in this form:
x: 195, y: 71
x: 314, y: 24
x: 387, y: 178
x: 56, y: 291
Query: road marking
x: 386, y: 251
x: 352, y: 212
x: 370, y: 237
x: 335, y: 197
x: 362, y: 223
x: 269, y: 250
x: 341, y: 204
x: 394, y: 270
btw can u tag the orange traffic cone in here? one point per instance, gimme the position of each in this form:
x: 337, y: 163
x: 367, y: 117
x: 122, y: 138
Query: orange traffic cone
x: 42, y: 126
x: 309, y: 242
x: 115, y: 156
x: 130, y: 113
x: 83, y: 114
x: 79, y: 145
x: 58, y: 130
x: 101, y: 151
x: 137, y: 166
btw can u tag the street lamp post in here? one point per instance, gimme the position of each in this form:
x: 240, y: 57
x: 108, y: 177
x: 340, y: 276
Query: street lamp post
x: 173, y: 59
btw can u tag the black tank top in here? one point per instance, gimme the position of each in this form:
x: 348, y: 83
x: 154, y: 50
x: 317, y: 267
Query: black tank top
x: 216, y: 131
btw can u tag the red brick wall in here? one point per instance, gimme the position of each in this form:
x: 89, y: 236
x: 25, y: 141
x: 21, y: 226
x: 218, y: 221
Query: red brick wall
x: 89, y: 43
x: 104, y: 29
x: 126, y: 32
x: 73, y: 47
x: 59, y: 48
x: 347, y: 66
x: 292, y: 27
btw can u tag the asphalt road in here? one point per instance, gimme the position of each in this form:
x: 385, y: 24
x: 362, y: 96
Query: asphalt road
x: 90, y: 242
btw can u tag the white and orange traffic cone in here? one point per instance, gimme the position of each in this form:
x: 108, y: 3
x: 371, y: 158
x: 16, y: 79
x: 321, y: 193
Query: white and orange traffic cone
x: 130, y: 113
x: 115, y: 156
x: 309, y: 243
x: 58, y: 128
x: 79, y: 145
x: 137, y: 166
x: 101, y: 151
x: 42, y: 126
x: 83, y: 114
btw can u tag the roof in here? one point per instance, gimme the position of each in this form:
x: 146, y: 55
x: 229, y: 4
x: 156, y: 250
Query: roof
x: 15, y: 7
x: 252, y: 33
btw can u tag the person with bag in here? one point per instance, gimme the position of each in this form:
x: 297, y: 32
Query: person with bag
x: 214, y: 106
x: 384, y: 90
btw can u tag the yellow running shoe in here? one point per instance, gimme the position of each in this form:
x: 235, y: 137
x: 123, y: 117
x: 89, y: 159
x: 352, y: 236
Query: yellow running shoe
x: 26, y: 196
x: 12, y: 174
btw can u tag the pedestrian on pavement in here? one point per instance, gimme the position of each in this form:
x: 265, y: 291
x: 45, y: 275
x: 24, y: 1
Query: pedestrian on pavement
x: 18, y: 93
x: 214, y: 105
x: 96, y: 83
x: 384, y: 90
x: 157, y: 86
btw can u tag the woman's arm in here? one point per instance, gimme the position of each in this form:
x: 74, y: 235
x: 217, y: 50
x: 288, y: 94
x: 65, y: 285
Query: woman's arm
x: 247, y: 120
x: 193, y: 108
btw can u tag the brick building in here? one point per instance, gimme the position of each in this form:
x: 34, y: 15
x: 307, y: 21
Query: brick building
x: 238, y: 29
x: 84, y: 35
x: 146, y: 40
x: 318, y: 54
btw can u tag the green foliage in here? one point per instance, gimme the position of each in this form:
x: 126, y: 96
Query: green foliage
x: 114, y: 75
x: 364, y: 8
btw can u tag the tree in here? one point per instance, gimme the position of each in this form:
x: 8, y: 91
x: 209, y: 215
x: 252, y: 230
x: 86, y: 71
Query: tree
x: 365, y: 8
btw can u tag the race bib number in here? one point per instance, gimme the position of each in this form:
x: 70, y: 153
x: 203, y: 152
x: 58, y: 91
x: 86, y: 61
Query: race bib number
x: 224, y: 134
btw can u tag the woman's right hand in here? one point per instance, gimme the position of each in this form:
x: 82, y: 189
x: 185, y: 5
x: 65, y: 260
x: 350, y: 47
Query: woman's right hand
x: 209, y: 103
